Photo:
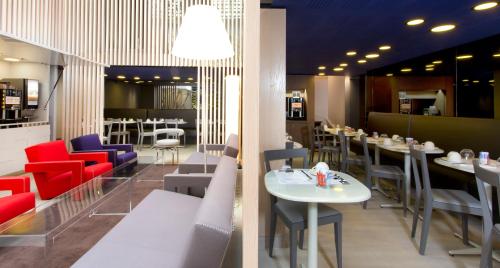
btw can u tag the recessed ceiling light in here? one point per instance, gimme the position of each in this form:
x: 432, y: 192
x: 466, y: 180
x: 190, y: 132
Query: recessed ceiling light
x: 443, y: 28
x: 485, y: 5
x: 496, y: 55
x: 126, y: 81
x: 187, y: 82
x: 406, y: 70
x: 121, y: 77
x: 105, y: 75
x: 11, y: 59
x: 149, y: 81
x: 385, y: 47
x: 139, y: 82
x: 429, y: 66
x: 172, y: 82
x: 190, y: 79
x: 465, y: 80
x: 321, y: 74
x: 429, y: 69
x: 389, y: 74
x: 343, y: 64
x: 475, y: 81
x: 372, y: 56
x: 338, y: 69
x: 351, y: 53
x: 415, y: 22
x: 437, y: 62
x: 491, y: 81
x: 464, y: 57
x: 156, y: 77
x: 362, y: 61
x: 321, y: 67
x: 176, y: 78
x: 137, y: 78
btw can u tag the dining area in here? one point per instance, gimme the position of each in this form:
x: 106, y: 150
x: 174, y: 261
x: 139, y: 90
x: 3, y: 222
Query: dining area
x: 395, y: 178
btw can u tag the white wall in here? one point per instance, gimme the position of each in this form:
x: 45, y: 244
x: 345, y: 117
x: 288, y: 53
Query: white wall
x: 331, y: 98
x: 272, y: 94
x: 321, y: 98
x: 38, y: 71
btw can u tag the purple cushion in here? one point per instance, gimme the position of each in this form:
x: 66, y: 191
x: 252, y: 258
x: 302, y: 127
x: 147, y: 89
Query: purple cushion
x: 122, y: 158
x: 87, y: 142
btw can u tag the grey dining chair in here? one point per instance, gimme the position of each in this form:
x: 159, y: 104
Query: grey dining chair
x: 385, y: 172
x: 144, y: 133
x: 120, y: 132
x: 328, y: 148
x: 107, y: 137
x: 315, y: 144
x: 490, y: 229
x: 457, y: 201
x: 294, y: 214
x: 346, y: 158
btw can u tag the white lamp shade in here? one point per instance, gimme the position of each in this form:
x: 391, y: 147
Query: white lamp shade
x: 202, y: 35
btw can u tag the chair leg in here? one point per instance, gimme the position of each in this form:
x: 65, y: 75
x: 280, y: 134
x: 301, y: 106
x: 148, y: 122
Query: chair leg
x: 272, y: 231
x: 338, y: 242
x: 293, y: 247
x: 301, y: 239
x: 465, y: 229
x: 425, y: 226
x: 398, y: 189
x: 486, y: 251
x: 368, y: 181
x: 416, y: 211
x: 405, y: 194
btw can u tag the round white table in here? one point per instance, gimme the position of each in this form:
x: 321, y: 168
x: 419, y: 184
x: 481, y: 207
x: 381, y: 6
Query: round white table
x: 352, y: 192
x: 403, y: 149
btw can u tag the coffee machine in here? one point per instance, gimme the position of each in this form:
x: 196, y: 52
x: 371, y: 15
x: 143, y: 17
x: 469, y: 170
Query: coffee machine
x: 11, y: 102
x: 295, y: 106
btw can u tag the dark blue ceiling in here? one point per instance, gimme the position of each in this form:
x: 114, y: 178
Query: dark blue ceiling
x: 148, y: 72
x: 319, y: 32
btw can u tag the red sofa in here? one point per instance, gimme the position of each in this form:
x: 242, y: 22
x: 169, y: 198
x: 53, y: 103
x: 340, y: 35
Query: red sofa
x: 57, y: 171
x: 20, y: 201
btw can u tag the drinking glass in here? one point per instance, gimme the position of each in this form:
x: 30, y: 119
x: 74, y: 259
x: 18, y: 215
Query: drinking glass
x: 467, y: 154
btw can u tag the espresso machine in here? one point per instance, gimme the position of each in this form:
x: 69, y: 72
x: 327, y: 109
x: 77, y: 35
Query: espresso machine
x: 295, y: 106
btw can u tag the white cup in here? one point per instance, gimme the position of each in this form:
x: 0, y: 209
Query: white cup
x: 429, y: 146
x: 454, y: 157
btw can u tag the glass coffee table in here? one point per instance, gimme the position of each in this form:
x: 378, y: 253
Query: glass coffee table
x: 40, y: 227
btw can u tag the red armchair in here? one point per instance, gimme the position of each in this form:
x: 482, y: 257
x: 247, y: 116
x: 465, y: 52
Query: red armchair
x: 57, y: 171
x: 20, y: 201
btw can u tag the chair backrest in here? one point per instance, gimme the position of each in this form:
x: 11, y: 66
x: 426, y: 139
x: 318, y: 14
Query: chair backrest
x: 48, y: 151
x: 232, y: 147
x: 420, y: 156
x: 117, y: 122
x: 213, y: 222
x: 343, y: 144
x: 86, y: 142
x: 492, y: 178
x: 285, y: 154
x: 140, y: 126
x: 366, y: 153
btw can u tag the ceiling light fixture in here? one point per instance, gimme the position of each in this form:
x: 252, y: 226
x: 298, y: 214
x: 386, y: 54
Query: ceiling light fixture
x: 176, y: 78
x: 137, y: 78
x: 156, y: 77
x: 385, y: 47
x: 126, y: 81
x: 389, y: 74
x: 415, y: 22
x: 464, y: 57
x: 351, y: 53
x: 361, y: 61
x: 343, y: 64
x: 321, y: 74
x: 429, y: 66
x: 437, y: 62
x: 338, y: 69
x: 372, y: 56
x: 491, y: 81
x: 190, y: 79
x: 321, y: 67
x: 429, y: 69
x: 443, y: 28
x: 475, y: 81
x: 202, y: 22
x: 496, y: 55
x: 406, y: 70
x: 121, y: 77
x: 149, y: 81
x: 485, y: 5
x: 11, y: 59
x: 465, y: 80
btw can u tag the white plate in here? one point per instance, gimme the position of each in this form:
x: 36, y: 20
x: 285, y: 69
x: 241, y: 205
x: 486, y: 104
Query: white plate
x: 444, y: 158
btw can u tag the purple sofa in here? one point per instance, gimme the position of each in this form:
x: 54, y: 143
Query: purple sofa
x: 91, y: 143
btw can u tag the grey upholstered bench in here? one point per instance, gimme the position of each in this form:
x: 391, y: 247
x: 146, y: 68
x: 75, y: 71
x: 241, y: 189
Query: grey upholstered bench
x: 195, y: 163
x: 172, y: 230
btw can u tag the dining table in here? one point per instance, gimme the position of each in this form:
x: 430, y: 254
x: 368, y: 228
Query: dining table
x: 304, y: 189
x: 466, y: 166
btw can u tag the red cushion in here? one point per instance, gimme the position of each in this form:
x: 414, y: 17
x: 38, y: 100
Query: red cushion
x: 96, y: 170
x: 14, y: 205
x: 48, y: 151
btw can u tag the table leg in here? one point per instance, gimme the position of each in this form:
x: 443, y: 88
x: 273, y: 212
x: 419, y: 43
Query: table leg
x: 312, y: 226
x: 124, y: 135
